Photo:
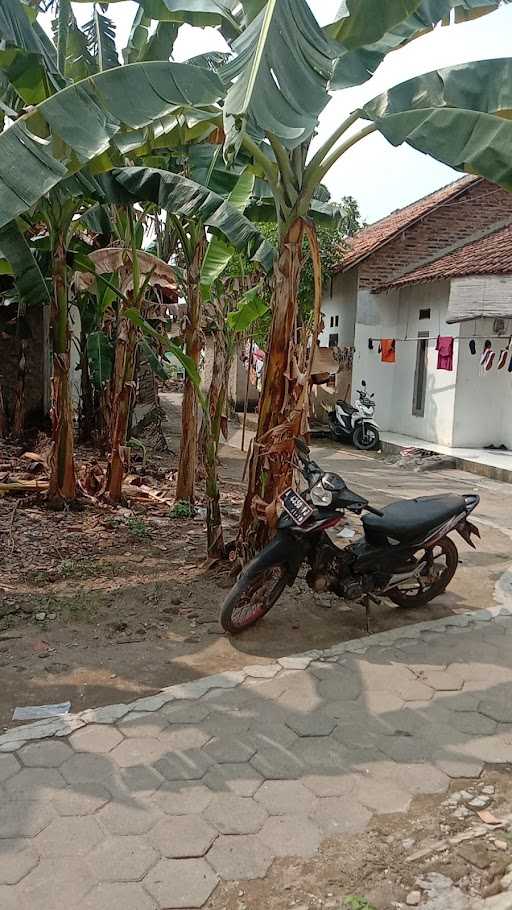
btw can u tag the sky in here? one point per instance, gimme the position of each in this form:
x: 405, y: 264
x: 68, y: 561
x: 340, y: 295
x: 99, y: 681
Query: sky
x: 382, y: 178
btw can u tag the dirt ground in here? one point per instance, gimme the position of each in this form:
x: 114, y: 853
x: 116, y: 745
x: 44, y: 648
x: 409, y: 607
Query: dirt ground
x: 101, y: 606
x: 395, y: 857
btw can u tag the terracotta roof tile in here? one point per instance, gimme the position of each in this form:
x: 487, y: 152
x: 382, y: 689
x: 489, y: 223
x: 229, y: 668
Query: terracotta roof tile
x: 367, y: 241
x: 489, y: 255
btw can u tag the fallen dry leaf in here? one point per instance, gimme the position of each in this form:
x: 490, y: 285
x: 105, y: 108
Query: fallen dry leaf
x: 489, y: 819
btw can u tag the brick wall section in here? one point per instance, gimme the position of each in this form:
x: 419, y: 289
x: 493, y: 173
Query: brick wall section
x: 480, y: 207
x: 35, y: 393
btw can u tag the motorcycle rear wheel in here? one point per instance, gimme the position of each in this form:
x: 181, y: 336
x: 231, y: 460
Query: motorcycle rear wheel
x: 252, y: 597
x: 421, y: 595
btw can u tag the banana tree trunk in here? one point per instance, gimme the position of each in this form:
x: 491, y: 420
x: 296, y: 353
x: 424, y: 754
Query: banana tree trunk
x: 276, y: 406
x: 19, y: 398
x: 62, y: 486
x: 122, y: 391
x: 188, y: 448
x: 87, y: 420
x: 209, y: 446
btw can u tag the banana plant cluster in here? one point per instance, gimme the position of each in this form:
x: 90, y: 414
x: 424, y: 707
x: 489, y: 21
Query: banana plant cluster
x: 258, y: 104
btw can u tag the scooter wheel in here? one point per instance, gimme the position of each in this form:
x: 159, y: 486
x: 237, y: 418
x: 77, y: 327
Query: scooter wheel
x: 252, y: 597
x: 366, y: 438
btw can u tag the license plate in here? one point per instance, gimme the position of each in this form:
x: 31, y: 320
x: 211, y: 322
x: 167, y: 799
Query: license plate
x: 296, y: 506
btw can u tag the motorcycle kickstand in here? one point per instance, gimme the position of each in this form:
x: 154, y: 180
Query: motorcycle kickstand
x: 367, y: 599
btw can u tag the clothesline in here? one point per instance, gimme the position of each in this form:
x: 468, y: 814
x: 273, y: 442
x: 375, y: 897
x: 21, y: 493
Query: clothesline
x: 455, y: 338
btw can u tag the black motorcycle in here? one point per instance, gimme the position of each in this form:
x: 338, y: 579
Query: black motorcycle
x: 405, y: 554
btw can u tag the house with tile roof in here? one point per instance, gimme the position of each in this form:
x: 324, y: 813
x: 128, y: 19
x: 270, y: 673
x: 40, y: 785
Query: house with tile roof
x: 439, y: 268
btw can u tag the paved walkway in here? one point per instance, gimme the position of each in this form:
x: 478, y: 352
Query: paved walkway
x: 147, y: 806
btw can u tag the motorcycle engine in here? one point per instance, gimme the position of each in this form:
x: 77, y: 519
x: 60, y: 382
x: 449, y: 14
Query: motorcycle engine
x: 328, y: 571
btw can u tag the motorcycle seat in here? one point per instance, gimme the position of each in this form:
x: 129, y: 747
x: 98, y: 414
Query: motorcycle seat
x: 347, y: 407
x: 411, y: 519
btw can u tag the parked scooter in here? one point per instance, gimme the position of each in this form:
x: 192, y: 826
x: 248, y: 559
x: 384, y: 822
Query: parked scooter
x: 355, y: 424
x: 405, y: 554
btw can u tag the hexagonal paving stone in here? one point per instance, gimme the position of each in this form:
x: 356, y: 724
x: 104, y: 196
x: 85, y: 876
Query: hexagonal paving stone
x: 181, y: 883
x: 238, y: 778
x: 138, y: 751
x: 122, y: 859
x: 331, y: 784
x: 138, y: 780
x: 69, y: 837
x: 83, y: 801
x: 181, y: 739
x: 96, y: 738
x: 143, y: 723
x: 240, y: 858
x: 341, y: 815
x: 84, y: 768
x: 230, y: 749
x: 473, y: 723
x: 54, y: 883
x: 322, y: 754
x: 235, y: 814
x: 182, y: 798
x: 16, y: 861
x: 131, y: 817
x: 190, y: 765
x: 291, y: 835
x: 182, y: 837
x: 457, y: 766
x: 499, y: 709
x: 311, y: 724
x: 278, y: 763
x: 340, y: 686
x: 9, y: 766
x: 49, y: 753
x: 386, y: 799
x: 24, y: 818
x: 9, y: 899
x: 186, y: 712
x: 35, y: 783
x: 286, y: 797
x: 117, y: 897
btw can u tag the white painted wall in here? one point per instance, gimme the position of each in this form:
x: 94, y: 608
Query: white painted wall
x: 396, y: 315
x: 342, y: 302
x: 483, y: 403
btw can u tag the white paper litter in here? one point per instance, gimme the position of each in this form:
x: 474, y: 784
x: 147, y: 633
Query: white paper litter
x: 37, y: 712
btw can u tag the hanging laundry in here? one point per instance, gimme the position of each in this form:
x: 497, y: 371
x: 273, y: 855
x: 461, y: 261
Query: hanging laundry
x: 502, y: 359
x: 444, y: 347
x: 484, y: 357
x: 490, y: 360
x: 472, y: 346
x: 387, y: 350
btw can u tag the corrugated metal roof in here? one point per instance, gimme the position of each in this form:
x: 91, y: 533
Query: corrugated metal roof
x: 371, y: 238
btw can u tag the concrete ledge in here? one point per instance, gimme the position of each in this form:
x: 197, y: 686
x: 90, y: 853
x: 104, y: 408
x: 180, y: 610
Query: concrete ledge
x: 486, y: 463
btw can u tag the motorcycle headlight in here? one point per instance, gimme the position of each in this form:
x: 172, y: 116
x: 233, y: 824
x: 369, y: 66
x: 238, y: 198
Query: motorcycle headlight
x: 320, y: 497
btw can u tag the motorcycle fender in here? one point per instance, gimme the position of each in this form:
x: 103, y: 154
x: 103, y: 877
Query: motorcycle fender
x: 285, y: 549
x: 371, y: 423
x: 467, y: 529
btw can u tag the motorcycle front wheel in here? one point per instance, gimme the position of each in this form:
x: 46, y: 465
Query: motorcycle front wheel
x: 442, y: 562
x: 366, y: 437
x: 252, y: 597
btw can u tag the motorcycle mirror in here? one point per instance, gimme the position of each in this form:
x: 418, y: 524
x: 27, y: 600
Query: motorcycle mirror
x: 363, y: 383
x: 301, y: 445
x: 372, y: 395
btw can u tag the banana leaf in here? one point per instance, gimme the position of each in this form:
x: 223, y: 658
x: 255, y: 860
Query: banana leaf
x: 169, y: 347
x: 283, y: 67
x: 252, y: 307
x: 460, y: 115
x: 30, y: 284
x: 27, y: 56
x: 100, y: 354
x: 361, y: 52
x: 82, y: 121
x: 180, y: 196
x: 220, y: 252
x: 154, y: 361
x: 101, y: 39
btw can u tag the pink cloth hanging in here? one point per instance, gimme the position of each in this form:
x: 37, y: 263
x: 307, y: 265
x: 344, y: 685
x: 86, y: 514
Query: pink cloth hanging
x: 444, y: 347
